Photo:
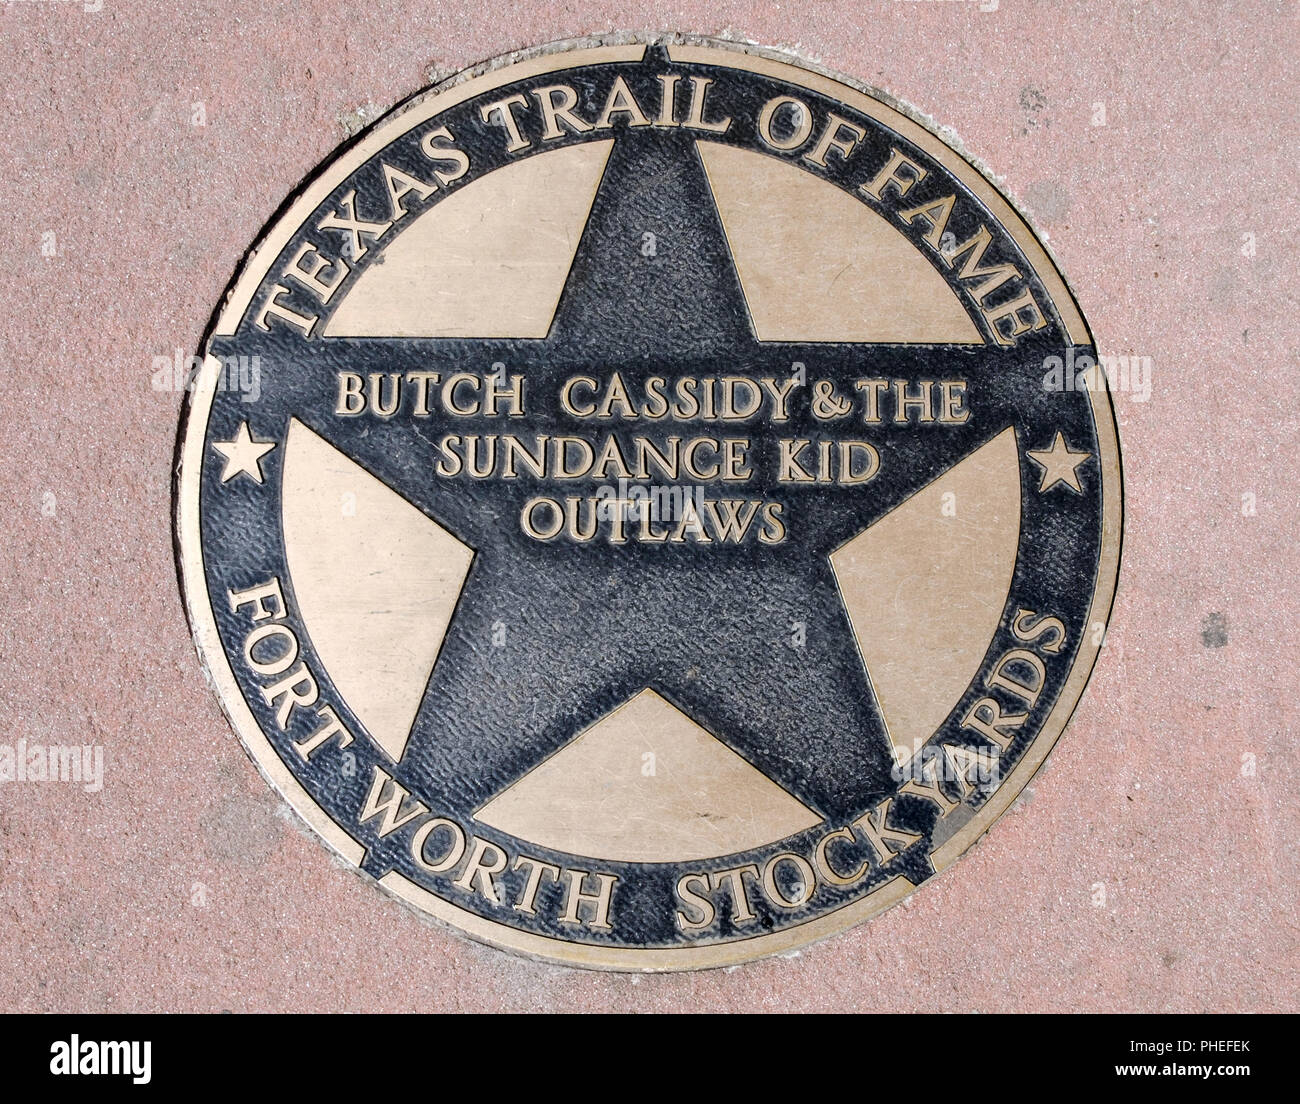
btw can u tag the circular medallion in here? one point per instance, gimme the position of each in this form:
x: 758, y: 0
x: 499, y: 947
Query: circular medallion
x: 649, y: 504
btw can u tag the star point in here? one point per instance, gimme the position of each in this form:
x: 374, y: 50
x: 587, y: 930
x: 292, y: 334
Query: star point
x: 1059, y: 464
x: 243, y: 455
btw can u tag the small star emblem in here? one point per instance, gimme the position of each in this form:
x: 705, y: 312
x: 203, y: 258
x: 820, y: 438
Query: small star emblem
x: 1059, y: 464
x: 243, y: 454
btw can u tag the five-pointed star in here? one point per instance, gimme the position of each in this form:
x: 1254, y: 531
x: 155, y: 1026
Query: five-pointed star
x: 243, y: 454
x: 594, y: 623
x: 1059, y: 464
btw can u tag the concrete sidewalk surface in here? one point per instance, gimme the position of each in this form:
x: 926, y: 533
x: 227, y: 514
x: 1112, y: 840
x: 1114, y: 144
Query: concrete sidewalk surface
x: 1152, y: 865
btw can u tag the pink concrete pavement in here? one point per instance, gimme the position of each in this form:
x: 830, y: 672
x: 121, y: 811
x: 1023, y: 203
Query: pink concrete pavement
x: 185, y: 885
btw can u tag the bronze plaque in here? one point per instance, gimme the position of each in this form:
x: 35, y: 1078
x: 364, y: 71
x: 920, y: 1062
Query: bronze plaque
x: 680, y: 510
